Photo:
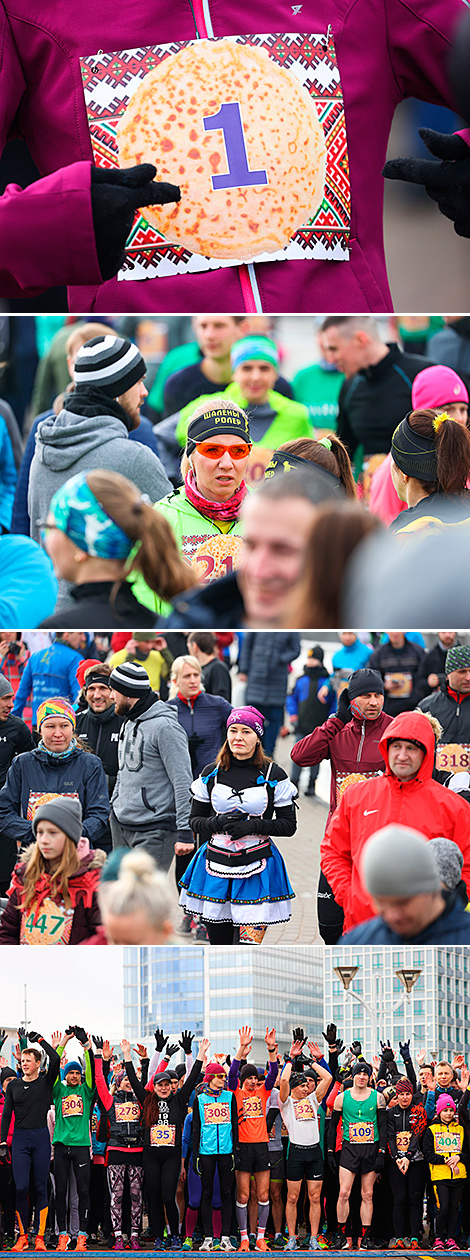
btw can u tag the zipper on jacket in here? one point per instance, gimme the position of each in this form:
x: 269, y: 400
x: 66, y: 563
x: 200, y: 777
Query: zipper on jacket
x: 361, y: 742
x: 247, y: 275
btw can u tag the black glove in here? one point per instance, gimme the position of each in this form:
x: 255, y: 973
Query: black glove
x: 251, y: 827
x: 80, y: 1034
x: 446, y: 181
x: 405, y: 1051
x: 186, y: 1041
x: 332, y: 1165
x: 343, y: 710
x: 3, y: 1152
x: 23, y: 1037
x: 34, y: 1036
x: 339, y: 1045
x: 380, y: 1162
x: 160, y: 1039
x: 356, y: 1048
x: 225, y: 822
x: 185, y: 836
x: 387, y: 1052
x: 299, y: 1035
x: 330, y: 1034
x: 115, y: 197
x: 3, y: 1037
x: 171, y: 1049
x: 98, y: 1042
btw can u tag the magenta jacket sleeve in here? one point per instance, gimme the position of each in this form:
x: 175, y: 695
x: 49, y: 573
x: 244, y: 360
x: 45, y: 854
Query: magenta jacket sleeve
x: 46, y: 233
x: 419, y: 37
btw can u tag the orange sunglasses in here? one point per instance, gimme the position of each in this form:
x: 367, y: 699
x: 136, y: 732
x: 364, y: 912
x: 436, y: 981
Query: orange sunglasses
x: 215, y: 450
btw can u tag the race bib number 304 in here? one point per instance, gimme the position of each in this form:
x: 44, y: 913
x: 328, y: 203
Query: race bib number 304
x: 72, y: 1105
x: 235, y: 122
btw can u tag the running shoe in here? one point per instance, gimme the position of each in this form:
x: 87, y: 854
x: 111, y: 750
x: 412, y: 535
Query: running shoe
x: 82, y: 1241
x: 439, y: 1245
x: 119, y: 1244
x: 451, y: 1245
x: 278, y: 1243
x: 134, y: 1243
x: 314, y: 1244
x: 226, y: 1244
x: 21, y: 1243
x: 159, y: 1245
x: 216, y: 1244
x: 207, y: 1245
x: 252, y: 1241
x: 261, y: 1245
x: 40, y: 1244
x: 63, y: 1242
x: 414, y: 1245
x: 244, y: 1245
x: 322, y: 1242
x: 175, y: 1243
x: 291, y: 1244
x: 187, y: 1244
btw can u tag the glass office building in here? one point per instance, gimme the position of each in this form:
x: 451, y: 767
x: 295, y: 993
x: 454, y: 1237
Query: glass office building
x: 213, y: 991
x: 435, y: 1018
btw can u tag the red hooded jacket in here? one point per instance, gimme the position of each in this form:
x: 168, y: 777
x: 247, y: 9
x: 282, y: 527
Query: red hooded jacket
x: 366, y: 807
x: 352, y: 748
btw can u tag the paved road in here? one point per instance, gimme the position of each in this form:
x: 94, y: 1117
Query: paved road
x: 302, y: 857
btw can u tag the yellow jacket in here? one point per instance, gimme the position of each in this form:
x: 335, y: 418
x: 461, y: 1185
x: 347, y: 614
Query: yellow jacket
x: 447, y: 1139
x: 155, y: 664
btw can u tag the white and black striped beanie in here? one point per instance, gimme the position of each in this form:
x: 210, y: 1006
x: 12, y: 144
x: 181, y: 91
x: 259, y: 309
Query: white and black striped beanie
x: 130, y: 680
x: 111, y: 364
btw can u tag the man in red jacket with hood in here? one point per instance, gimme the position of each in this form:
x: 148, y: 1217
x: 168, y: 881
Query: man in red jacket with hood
x: 405, y: 794
x: 350, y: 740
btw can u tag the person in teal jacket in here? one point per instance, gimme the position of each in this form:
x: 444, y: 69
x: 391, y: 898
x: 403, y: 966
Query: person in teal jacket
x: 215, y: 1136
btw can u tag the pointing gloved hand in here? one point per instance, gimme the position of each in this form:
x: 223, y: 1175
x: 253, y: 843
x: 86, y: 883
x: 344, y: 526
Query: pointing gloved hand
x: 343, y: 710
x: 115, y: 197
x: 447, y: 181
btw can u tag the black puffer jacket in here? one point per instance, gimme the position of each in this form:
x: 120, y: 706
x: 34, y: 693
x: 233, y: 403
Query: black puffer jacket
x: 452, y: 711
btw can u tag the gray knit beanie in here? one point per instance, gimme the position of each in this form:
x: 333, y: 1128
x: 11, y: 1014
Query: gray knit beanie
x: 6, y: 688
x: 65, y: 812
x: 449, y: 860
x: 398, y: 862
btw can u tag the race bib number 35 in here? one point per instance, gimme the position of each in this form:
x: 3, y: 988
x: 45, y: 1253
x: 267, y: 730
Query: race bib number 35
x: 216, y: 1113
x: 361, y: 1131
x: 234, y: 122
x: 162, y: 1135
x: 72, y: 1105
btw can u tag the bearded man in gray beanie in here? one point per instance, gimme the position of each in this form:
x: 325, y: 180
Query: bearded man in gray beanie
x: 92, y: 429
x: 151, y: 800
x: 451, y: 703
x: 415, y: 905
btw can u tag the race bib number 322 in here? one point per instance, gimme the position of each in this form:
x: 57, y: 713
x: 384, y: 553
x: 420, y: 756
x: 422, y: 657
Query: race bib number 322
x: 234, y: 122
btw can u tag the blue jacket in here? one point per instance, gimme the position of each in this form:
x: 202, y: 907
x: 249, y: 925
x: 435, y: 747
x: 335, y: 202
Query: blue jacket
x: 213, y: 1136
x: 36, y: 772
x: 20, y: 522
x: 451, y: 928
x: 264, y: 658
x: 50, y: 672
x: 29, y: 587
x: 8, y: 476
x: 354, y: 657
x: 205, y: 721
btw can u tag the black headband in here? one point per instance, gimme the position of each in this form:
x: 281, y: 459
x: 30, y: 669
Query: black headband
x: 414, y: 455
x: 217, y: 420
x: 284, y: 461
x: 97, y: 678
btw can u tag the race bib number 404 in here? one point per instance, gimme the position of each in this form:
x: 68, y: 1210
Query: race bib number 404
x: 447, y: 1143
x: 250, y: 127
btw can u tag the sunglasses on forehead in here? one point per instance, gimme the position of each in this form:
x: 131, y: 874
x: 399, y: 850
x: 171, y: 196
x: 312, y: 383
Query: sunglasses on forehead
x: 215, y: 450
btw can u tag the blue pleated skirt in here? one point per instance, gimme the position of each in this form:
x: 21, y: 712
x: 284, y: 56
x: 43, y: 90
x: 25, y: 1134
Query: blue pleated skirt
x: 257, y: 899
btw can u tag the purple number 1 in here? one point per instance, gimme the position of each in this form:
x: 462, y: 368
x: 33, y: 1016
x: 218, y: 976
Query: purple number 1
x: 229, y: 120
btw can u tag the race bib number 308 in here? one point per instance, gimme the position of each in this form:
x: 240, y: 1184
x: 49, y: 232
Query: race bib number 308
x: 216, y: 1113
x: 234, y: 122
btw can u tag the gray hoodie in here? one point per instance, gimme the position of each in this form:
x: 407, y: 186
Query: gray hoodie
x: 154, y: 779
x: 69, y: 444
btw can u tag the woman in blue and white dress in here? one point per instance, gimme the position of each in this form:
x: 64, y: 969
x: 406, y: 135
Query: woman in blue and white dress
x: 237, y: 881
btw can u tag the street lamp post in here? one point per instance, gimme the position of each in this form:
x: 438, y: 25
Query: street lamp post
x: 407, y: 977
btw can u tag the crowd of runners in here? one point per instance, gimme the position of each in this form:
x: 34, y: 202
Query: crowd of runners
x: 316, y: 1148
x: 135, y: 778
x: 217, y: 492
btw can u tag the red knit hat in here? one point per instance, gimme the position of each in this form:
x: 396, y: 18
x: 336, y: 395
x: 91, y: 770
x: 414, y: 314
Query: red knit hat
x: 82, y: 669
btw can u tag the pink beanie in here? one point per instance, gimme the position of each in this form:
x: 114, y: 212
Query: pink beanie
x: 437, y: 386
x: 445, y: 1100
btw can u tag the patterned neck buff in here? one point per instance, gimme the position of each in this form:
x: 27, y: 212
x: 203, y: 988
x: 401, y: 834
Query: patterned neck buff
x: 228, y: 511
x: 58, y: 756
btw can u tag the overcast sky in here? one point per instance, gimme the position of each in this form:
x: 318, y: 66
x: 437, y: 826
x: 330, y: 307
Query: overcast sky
x: 73, y: 985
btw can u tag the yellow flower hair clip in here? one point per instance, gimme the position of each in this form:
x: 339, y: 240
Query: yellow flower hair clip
x: 438, y: 420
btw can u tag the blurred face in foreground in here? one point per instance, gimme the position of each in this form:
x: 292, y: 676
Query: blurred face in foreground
x: 275, y: 536
x: 408, y: 916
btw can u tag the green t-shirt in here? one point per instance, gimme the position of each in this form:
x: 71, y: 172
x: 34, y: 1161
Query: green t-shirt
x: 73, y: 1106
x: 318, y: 390
x: 360, y: 1119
